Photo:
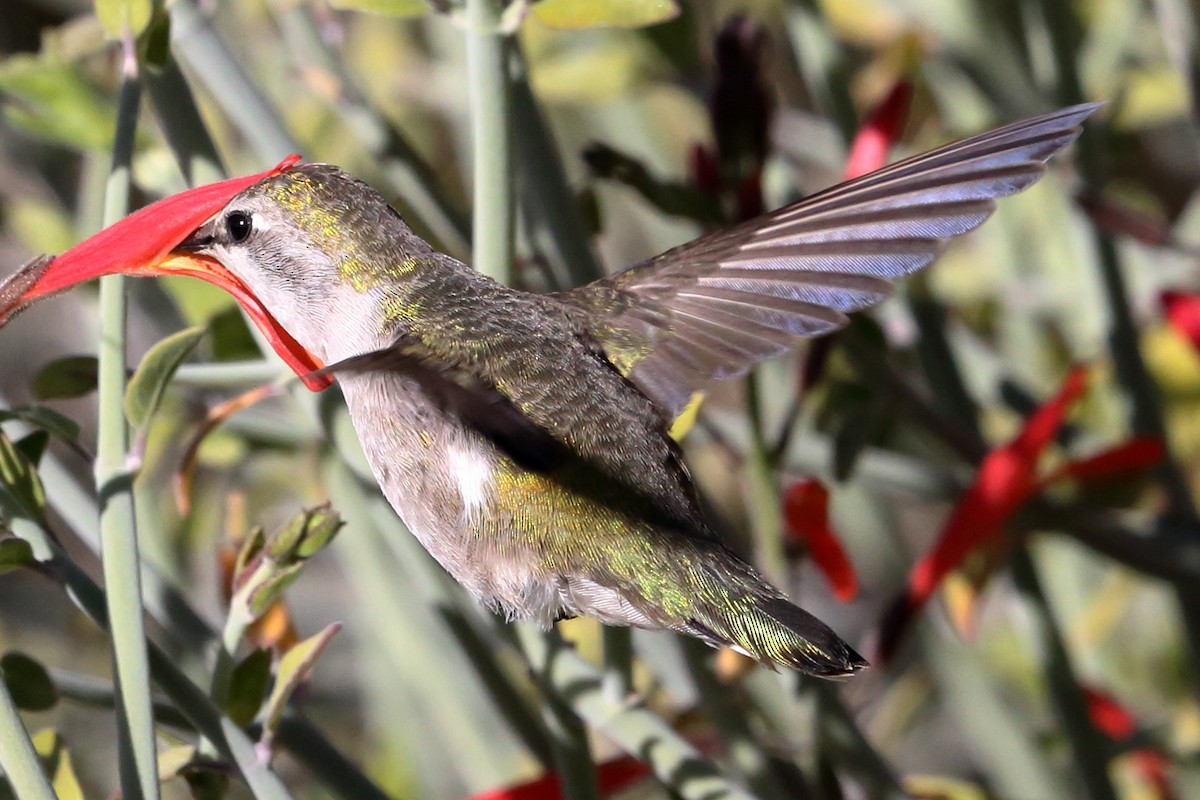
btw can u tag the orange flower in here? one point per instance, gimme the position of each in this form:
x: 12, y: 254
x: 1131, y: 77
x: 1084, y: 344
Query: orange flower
x: 806, y: 509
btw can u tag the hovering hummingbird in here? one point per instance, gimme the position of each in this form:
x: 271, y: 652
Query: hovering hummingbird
x: 523, y: 438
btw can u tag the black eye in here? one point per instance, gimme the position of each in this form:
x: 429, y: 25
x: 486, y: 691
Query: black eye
x: 239, y: 225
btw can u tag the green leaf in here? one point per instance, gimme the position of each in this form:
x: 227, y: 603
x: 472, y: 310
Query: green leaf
x: 295, y: 665
x: 33, y: 446
x: 65, y: 378
x: 14, y: 554
x: 21, y: 481
x: 56, y: 761
x: 248, y: 687
x: 121, y: 17
x: 54, y: 102
x: 272, y: 588
x: 28, y: 682
x: 147, y: 385
x: 45, y: 418
x: 392, y: 8
x: 577, y: 14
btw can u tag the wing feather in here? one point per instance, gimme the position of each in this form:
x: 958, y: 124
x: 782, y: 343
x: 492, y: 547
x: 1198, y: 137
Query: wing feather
x: 714, y: 307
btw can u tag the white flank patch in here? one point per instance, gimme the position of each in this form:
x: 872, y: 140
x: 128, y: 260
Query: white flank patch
x: 474, y: 475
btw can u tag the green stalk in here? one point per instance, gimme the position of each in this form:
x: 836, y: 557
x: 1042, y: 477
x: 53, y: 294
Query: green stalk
x: 568, y: 737
x: 18, y: 759
x: 745, y: 752
x: 491, y: 126
x: 1091, y: 754
x: 618, y: 661
x: 114, y: 484
x: 637, y: 731
x: 550, y: 207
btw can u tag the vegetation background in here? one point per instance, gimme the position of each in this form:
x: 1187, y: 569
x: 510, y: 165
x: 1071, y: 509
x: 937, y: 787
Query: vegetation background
x: 1058, y: 658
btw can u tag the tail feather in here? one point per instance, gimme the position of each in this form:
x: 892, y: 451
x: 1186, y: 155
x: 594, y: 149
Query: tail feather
x: 779, y: 634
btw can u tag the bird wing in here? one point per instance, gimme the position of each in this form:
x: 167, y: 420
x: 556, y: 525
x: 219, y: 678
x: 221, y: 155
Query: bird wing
x: 716, y: 306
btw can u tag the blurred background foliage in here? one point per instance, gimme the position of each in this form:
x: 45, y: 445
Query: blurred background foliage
x: 1059, y: 659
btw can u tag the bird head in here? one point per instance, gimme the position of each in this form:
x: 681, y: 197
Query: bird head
x: 303, y: 249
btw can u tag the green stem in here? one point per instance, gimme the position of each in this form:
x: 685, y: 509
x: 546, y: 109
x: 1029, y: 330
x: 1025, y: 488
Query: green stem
x: 745, y: 752
x: 637, y: 731
x: 487, y: 76
x: 18, y: 759
x: 114, y: 485
x: 618, y: 661
x: 1091, y: 755
x: 568, y: 737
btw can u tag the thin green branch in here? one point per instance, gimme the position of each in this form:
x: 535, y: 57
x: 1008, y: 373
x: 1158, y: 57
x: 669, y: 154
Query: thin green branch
x: 568, y: 736
x: 639, y: 732
x: 114, y: 484
x: 18, y: 759
x: 1091, y: 755
x: 491, y: 134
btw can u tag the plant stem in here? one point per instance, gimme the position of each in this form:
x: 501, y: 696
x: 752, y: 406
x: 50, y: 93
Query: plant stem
x: 568, y: 736
x: 639, y: 732
x: 1091, y: 755
x: 114, y: 484
x: 487, y: 76
x: 18, y: 759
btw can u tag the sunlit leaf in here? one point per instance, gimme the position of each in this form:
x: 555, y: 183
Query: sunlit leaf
x: 28, y: 682
x: 21, y: 482
x: 392, y: 8
x: 147, y: 385
x: 56, y: 761
x: 578, y: 14
x: 54, y: 102
x: 124, y: 17
x: 64, y: 378
x: 248, y: 687
x: 294, y: 667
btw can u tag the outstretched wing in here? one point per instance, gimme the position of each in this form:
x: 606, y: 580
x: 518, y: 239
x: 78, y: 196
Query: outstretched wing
x: 714, y: 307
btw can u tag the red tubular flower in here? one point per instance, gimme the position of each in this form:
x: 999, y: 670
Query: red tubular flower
x: 1114, y: 721
x: 611, y: 777
x: 806, y: 509
x: 869, y: 150
x: 1006, y: 480
x: 1183, y: 313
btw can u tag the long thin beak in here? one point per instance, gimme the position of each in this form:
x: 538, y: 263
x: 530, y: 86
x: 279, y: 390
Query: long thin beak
x: 165, y: 238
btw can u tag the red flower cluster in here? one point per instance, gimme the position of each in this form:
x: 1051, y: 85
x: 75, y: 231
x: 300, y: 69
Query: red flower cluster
x: 1007, y: 479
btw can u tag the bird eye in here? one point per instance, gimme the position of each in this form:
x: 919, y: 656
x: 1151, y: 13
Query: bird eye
x: 239, y: 225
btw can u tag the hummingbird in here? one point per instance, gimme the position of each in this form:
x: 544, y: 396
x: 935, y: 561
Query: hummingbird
x: 524, y: 438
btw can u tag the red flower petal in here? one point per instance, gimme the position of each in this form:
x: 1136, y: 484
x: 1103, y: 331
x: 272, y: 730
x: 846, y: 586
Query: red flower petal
x: 1183, y: 312
x: 611, y: 777
x: 1006, y: 479
x: 1110, y: 717
x: 806, y: 509
x: 869, y: 150
x: 705, y: 173
x: 1139, y: 453
x: 1114, y: 721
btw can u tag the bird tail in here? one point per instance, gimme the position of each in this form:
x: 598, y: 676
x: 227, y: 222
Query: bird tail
x: 777, y: 633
